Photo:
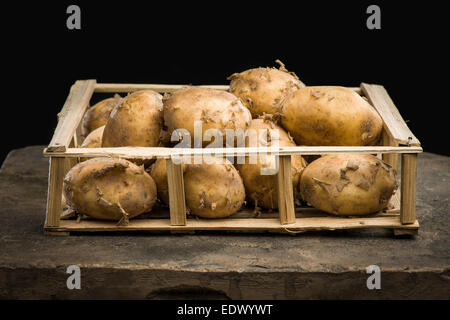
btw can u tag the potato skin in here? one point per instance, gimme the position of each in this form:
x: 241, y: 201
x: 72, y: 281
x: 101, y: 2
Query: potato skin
x: 261, y: 188
x: 216, y: 109
x: 327, y: 115
x: 262, y: 90
x: 97, y: 115
x: 348, y: 184
x: 100, y: 187
x: 137, y: 121
x: 213, y: 189
x: 94, y: 138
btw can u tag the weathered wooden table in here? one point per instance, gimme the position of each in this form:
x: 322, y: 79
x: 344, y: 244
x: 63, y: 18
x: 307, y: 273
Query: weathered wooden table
x: 325, y: 265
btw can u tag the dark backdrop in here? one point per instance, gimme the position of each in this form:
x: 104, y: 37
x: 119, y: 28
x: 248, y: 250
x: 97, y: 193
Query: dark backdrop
x: 204, y: 42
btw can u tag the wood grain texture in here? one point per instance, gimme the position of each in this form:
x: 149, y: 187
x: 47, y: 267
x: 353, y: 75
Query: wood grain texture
x: 177, y: 200
x: 131, y: 87
x: 166, y: 153
x: 303, y: 224
x: 71, y: 114
x: 393, y: 121
x: 408, y: 188
x: 57, y: 170
x: 285, y: 192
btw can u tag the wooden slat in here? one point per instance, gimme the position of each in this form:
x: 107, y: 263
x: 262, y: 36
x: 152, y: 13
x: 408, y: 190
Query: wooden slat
x: 165, y: 153
x: 177, y: 200
x: 285, y: 192
x: 131, y: 87
x: 408, y: 187
x: 393, y: 121
x: 303, y: 224
x: 71, y: 114
x: 57, y: 167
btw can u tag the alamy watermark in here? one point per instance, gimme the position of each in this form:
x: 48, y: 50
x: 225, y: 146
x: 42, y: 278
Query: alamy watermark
x: 73, y: 21
x: 374, y: 281
x: 74, y: 280
x: 374, y: 20
x: 265, y: 144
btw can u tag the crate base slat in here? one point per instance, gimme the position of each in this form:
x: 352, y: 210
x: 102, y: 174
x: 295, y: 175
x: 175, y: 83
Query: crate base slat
x: 250, y: 224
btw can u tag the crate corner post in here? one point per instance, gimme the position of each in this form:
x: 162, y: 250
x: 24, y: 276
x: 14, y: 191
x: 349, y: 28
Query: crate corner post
x: 408, y: 188
x: 54, y: 196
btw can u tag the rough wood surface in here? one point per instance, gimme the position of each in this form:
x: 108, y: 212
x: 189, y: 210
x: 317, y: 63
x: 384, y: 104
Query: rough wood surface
x: 312, y: 265
x: 165, y: 153
x: 131, y: 87
x: 408, y: 188
x: 177, y: 199
x: 285, y: 192
x: 301, y: 224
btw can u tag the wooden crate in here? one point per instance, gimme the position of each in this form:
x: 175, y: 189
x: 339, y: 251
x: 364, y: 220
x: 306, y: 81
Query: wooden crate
x: 397, y: 141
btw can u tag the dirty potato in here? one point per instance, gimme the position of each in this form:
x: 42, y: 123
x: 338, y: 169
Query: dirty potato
x: 136, y: 122
x: 97, y: 115
x: 109, y: 189
x: 260, y: 188
x: 262, y: 90
x: 348, y: 184
x: 215, y: 110
x: 213, y: 189
x: 334, y: 116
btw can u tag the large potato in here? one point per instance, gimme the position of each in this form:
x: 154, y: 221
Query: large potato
x: 263, y: 90
x: 261, y: 188
x: 109, y: 189
x: 97, y: 115
x: 348, y: 184
x: 217, y: 110
x: 213, y: 189
x: 136, y: 122
x: 327, y: 115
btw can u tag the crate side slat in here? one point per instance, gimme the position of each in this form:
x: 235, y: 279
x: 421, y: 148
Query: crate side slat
x: 301, y: 224
x: 71, y: 115
x: 393, y: 121
x: 165, y: 153
x: 131, y: 87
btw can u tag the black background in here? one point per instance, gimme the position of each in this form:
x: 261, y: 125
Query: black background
x: 204, y: 42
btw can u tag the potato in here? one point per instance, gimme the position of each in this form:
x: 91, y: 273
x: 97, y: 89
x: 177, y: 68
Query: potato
x: 262, y: 90
x: 348, y: 184
x: 94, y: 139
x: 217, y: 110
x: 326, y: 115
x: 97, y: 115
x: 109, y: 189
x: 213, y: 189
x: 137, y: 121
x: 158, y: 172
x: 261, y: 188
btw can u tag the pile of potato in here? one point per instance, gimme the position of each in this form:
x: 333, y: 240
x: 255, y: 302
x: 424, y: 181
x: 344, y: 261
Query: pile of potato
x: 261, y: 99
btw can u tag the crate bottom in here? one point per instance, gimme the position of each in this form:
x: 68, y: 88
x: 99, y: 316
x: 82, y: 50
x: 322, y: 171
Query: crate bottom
x: 249, y: 224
